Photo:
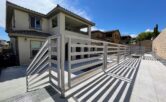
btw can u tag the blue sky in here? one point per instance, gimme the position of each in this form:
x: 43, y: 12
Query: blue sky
x: 129, y: 16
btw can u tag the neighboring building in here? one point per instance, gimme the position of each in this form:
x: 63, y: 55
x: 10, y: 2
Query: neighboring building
x: 3, y: 45
x: 29, y: 29
x: 126, y: 39
x: 110, y: 36
x: 159, y: 45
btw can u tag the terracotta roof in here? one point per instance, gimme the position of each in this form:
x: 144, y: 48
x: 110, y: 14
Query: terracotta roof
x: 29, y: 33
x: 57, y: 9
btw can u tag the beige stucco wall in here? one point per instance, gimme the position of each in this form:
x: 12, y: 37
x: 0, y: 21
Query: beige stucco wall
x: 22, y: 21
x: 24, y: 49
x: 159, y: 44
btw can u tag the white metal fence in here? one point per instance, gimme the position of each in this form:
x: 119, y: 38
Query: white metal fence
x: 66, y: 61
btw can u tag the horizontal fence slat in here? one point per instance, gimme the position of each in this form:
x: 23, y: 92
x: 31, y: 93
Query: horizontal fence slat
x: 46, y: 76
x: 112, y: 47
x: 54, y: 61
x: 43, y: 59
x: 39, y: 71
x: 37, y: 60
x: 85, y: 59
x: 85, y: 66
x: 54, y: 53
x: 81, y: 45
x: 55, y: 78
x: 113, y: 51
x: 85, y: 53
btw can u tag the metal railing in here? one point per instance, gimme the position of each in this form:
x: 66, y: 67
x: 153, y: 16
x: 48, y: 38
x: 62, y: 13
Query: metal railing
x: 44, y: 68
x: 66, y: 61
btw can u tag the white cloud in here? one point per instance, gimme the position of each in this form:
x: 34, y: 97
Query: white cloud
x: 133, y: 35
x: 43, y: 6
x: 2, y: 10
x: 148, y: 30
x: 95, y: 28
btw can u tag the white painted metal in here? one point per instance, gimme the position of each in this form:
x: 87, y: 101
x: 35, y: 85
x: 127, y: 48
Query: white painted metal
x: 94, y: 58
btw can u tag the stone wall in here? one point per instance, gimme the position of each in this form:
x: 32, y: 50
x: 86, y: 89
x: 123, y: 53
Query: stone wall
x: 159, y: 45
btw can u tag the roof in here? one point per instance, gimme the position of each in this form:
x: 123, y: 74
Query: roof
x: 112, y: 31
x: 57, y: 9
x: 125, y: 37
x: 96, y: 31
x: 105, y: 32
x: 29, y: 33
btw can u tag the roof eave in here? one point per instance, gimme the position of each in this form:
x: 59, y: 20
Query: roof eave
x: 63, y: 10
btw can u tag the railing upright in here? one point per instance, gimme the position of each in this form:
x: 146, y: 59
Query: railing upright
x: 59, y: 61
x: 105, y: 57
x: 118, y: 54
x: 69, y: 62
x: 125, y: 54
x: 49, y: 49
x: 26, y: 82
x: 62, y: 64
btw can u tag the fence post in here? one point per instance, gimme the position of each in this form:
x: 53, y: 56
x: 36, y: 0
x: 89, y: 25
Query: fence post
x: 59, y: 59
x: 62, y: 64
x: 105, y: 57
x: 26, y: 82
x: 69, y: 62
x: 118, y: 54
x: 125, y: 55
x: 49, y: 49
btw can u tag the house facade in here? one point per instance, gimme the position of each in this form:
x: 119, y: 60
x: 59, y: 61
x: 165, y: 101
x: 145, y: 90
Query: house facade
x: 3, y: 45
x: 109, y: 36
x: 126, y: 39
x: 29, y: 29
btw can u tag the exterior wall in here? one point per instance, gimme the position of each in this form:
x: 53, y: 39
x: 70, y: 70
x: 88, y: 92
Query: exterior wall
x: 97, y: 36
x: 13, y: 44
x: 159, y: 45
x: 22, y: 21
x: 116, y: 37
x: 125, y: 39
x: 113, y: 37
x: 24, y: 49
x: 66, y: 32
x: 51, y: 30
x: 147, y: 44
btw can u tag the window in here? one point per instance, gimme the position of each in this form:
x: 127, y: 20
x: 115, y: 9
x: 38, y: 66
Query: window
x: 35, y: 22
x: 54, y: 22
x: 35, y: 47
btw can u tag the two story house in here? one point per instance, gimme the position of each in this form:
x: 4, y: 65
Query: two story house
x: 113, y: 36
x: 29, y: 29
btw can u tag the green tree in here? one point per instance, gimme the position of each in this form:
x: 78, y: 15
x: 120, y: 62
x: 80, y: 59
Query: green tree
x: 156, y: 32
x: 145, y: 36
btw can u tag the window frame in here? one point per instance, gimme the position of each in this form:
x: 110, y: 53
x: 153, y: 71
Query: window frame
x: 31, y: 56
x: 54, y: 18
x: 35, y: 27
